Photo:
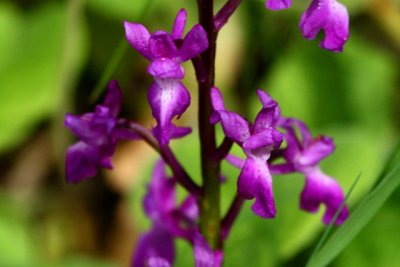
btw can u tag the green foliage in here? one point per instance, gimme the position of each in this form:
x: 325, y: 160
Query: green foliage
x: 360, y: 217
x: 32, y: 77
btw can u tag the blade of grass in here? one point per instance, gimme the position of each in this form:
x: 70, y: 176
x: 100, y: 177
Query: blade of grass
x: 116, y: 57
x: 328, y: 229
x: 360, y: 217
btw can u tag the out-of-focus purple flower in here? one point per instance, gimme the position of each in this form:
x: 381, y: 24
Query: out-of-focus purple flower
x: 303, y: 155
x: 98, y: 133
x: 278, y: 4
x: 204, y: 256
x: 329, y: 16
x: 167, y: 95
x: 168, y: 221
x: 257, y: 141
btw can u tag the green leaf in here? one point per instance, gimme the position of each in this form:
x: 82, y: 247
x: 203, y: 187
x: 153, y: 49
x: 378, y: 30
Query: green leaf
x: 36, y: 69
x: 360, y: 217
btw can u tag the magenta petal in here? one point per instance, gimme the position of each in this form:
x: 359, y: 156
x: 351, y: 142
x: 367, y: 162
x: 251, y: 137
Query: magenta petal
x: 217, y: 100
x: 317, y: 150
x: 330, y: 16
x: 179, y: 24
x: 234, y: 126
x: 161, y: 45
x: 158, y: 243
x: 157, y: 262
x: 278, y: 4
x: 113, y: 99
x: 322, y: 189
x: 168, y: 98
x: 160, y: 198
x: 255, y: 181
x: 203, y: 254
x: 166, y: 68
x: 81, y: 162
x: 268, y: 137
x: 138, y: 36
x: 195, y: 42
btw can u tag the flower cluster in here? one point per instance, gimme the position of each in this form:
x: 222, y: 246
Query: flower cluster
x: 99, y: 133
x: 170, y: 221
x: 270, y: 137
x: 167, y: 95
x: 327, y: 15
x: 262, y: 138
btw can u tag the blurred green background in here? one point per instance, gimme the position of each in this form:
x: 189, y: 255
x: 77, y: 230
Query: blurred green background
x: 52, y: 56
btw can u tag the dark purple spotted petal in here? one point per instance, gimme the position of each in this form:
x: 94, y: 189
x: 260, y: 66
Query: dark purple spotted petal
x: 321, y: 189
x: 255, y: 181
x: 168, y: 98
x: 179, y: 24
x: 138, y: 37
x: 329, y: 16
x: 278, y: 4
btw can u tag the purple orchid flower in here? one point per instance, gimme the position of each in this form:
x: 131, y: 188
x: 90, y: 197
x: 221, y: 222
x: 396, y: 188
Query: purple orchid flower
x: 167, y: 95
x: 330, y: 16
x: 327, y: 15
x: 303, y: 155
x: 204, y: 256
x: 278, y: 4
x: 98, y: 132
x: 169, y: 221
x: 257, y: 141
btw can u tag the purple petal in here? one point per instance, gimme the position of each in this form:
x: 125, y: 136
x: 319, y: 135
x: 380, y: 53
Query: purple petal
x: 255, y: 181
x: 330, y: 16
x: 92, y: 128
x: 195, y: 42
x: 322, y: 189
x: 234, y: 126
x: 278, y: 4
x: 168, y: 98
x: 166, y: 69
x: 190, y: 209
x: 266, y: 138
x: 138, y: 36
x: 317, y: 150
x: 113, y: 98
x: 203, y: 254
x: 160, y: 198
x: 158, y: 243
x: 266, y: 100
x: 81, y: 162
x: 158, y: 262
x: 161, y: 45
x: 179, y: 24
x: 235, y: 161
x: 217, y: 100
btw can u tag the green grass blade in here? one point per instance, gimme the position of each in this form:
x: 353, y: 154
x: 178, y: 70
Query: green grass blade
x: 118, y: 54
x: 328, y: 229
x: 360, y: 217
